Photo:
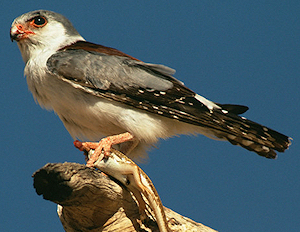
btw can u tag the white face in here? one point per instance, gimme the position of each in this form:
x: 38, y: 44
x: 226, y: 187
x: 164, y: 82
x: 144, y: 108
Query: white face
x: 41, y: 31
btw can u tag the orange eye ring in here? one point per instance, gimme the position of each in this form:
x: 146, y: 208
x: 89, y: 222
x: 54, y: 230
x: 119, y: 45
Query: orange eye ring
x: 38, y: 21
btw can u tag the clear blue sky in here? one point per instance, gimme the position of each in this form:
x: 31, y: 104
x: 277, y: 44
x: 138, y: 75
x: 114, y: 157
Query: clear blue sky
x: 243, y: 52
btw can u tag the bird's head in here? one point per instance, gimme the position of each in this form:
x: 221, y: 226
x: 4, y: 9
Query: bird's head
x: 41, y: 31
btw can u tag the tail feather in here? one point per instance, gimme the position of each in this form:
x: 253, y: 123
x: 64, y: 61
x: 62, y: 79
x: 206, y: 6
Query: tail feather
x: 250, y: 135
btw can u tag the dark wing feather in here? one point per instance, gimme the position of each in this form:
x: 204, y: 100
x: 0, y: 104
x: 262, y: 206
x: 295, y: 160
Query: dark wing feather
x: 234, y: 109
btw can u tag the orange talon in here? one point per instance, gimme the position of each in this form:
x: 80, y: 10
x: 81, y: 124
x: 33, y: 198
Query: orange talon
x: 104, y: 145
x: 79, y: 145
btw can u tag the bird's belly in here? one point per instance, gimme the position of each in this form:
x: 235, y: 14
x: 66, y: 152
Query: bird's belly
x: 104, y: 118
x: 89, y: 117
x: 84, y: 115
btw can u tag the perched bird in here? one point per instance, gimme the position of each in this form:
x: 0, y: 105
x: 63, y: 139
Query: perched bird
x: 99, y: 91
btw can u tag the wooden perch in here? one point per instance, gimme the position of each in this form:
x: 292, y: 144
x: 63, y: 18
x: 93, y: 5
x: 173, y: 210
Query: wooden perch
x: 90, y: 201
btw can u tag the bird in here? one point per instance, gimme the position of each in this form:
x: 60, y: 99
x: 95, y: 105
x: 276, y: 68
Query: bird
x: 110, y: 98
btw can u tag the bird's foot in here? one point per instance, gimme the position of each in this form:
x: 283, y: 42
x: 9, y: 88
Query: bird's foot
x: 104, y: 145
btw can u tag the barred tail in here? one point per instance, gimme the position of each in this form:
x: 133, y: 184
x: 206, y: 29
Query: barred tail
x: 249, y: 135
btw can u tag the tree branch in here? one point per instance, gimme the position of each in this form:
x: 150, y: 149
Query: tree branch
x: 90, y: 201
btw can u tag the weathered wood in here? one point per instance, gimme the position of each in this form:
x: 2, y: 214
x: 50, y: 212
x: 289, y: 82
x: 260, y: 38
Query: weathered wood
x: 90, y: 201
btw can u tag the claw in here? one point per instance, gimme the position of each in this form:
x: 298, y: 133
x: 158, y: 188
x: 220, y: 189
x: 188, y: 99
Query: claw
x: 79, y: 145
x: 102, y: 148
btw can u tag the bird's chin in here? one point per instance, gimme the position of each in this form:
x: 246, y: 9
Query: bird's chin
x: 24, y: 49
x: 15, y: 37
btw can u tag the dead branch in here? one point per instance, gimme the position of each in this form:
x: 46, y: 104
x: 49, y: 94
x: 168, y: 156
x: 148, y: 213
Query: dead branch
x: 90, y: 201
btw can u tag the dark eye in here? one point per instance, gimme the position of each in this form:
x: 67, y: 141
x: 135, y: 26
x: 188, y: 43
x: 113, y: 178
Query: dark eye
x: 39, y: 21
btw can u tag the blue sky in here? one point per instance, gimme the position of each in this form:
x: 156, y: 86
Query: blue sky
x: 243, y: 52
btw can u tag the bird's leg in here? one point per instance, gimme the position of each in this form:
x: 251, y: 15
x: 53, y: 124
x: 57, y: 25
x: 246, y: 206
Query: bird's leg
x: 105, y: 145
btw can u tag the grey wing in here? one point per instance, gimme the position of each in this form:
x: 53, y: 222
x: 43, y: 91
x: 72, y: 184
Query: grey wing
x: 145, y: 86
x: 103, y: 71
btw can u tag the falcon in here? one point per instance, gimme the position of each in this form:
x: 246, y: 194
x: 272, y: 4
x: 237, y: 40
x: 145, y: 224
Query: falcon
x: 102, y: 94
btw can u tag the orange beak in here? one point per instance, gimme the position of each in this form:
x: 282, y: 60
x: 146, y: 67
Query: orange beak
x: 18, y: 32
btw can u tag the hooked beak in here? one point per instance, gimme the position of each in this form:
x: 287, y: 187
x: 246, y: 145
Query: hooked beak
x: 18, y: 32
x: 14, y: 36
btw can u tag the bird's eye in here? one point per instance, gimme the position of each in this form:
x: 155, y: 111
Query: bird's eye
x: 39, y: 21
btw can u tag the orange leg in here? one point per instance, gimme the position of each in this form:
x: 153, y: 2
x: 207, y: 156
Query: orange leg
x: 105, y: 145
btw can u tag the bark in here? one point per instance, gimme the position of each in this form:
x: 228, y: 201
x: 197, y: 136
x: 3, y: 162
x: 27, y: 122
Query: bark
x: 88, y: 200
